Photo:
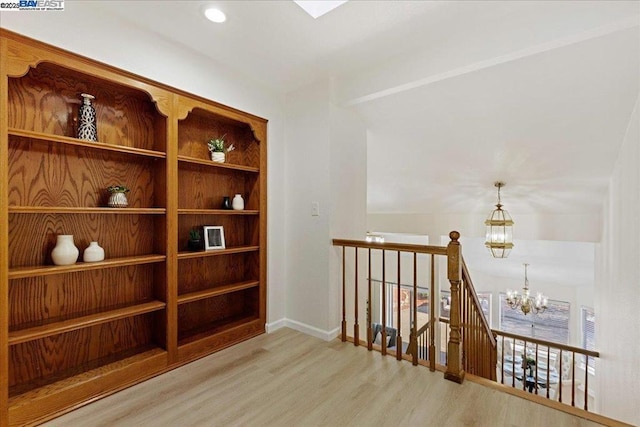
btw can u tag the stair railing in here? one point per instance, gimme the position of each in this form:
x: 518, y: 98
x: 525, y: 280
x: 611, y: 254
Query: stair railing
x: 479, y: 344
x: 468, y: 329
x: 418, y: 348
x: 556, y: 371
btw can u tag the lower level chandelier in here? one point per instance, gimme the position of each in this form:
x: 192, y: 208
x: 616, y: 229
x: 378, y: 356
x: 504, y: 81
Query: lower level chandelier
x: 525, y: 302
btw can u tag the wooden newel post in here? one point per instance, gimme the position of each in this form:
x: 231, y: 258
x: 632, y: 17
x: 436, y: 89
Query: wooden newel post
x: 454, y: 372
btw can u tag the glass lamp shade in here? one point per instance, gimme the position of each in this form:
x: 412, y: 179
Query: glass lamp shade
x: 499, y: 237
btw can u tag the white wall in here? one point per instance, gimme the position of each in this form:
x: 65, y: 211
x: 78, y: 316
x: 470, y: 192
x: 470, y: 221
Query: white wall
x: 116, y: 43
x: 307, y: 180
x: 618, y: 285
x: 568, y: 228
x: 325, y: 164
x: 348, y: 193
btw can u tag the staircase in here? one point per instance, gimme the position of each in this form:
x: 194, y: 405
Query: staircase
x: 468, y: 345
x: 392, y: 296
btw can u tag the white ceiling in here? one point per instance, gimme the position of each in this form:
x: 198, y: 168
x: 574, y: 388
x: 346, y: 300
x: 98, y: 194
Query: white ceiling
x: 455, y: 94
x: 550, y: 125
x: 277, y: 42
x: 562, y: 263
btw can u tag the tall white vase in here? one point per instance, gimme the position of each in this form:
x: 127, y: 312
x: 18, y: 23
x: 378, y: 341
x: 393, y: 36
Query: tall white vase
x: 65, y: 252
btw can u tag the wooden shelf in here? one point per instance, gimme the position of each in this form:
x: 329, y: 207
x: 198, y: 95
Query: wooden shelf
x: 210, y: 163
x: 34, y: 400
x: 206, y: 331
x: 193, y: 347
x: 216, y: 252
x: 214, y: 292
x: 217, y: 212
x: 45, y: 270
x: 43, y: 137
x: 83, y: 210
x: 68, y: 325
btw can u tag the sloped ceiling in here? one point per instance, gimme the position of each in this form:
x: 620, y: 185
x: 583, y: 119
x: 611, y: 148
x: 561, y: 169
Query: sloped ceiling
x: 549, y: 124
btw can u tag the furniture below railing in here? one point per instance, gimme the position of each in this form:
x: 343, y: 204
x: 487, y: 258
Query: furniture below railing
x: 468, y: 331
x: 556, y: 371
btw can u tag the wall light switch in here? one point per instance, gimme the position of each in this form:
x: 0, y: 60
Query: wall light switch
x: 315, y: 209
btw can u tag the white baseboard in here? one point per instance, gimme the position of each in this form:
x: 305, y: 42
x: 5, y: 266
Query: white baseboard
x: 304, y: 328
x: 274, y: 326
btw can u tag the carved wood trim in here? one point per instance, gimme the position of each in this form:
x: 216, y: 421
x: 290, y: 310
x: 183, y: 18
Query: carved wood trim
x: 188, y: 104
x: 23, y: 54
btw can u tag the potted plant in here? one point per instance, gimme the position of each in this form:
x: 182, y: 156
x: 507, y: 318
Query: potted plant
x: 530, y: 363
x: 217, y: 149
x: 195, y: 240
x: 118, y: 197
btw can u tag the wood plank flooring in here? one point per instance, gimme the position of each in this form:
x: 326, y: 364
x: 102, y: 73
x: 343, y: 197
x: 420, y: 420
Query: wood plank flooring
x: 290, y: 379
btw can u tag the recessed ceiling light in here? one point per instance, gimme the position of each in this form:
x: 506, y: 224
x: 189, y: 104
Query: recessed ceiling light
x: 215, y: 15
x: 317, y: 8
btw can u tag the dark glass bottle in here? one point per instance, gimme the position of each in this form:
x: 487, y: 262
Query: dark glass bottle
x: 226, y: 203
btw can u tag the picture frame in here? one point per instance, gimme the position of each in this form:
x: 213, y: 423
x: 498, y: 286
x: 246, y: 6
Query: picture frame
x: 213, y: 237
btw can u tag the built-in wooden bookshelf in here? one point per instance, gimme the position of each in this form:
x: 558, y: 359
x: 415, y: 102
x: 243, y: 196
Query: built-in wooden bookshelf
x: 71, y: 334
x: 226, y: 294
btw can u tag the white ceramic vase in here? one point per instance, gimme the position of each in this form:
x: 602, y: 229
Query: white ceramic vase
x: 237, y: 203
x: 65, y: 252
x: 118, y: 200
x: 217, y: 156
x: 93, y: 253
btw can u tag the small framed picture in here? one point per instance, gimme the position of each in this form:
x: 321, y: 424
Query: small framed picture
x: 213, y: 237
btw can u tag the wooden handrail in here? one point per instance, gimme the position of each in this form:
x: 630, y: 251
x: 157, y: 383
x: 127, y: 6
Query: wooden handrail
x: 423, y: 329
x: 466, y: 277
x: 402, y: 247
x: 412, y: 344
x: 559, y: 346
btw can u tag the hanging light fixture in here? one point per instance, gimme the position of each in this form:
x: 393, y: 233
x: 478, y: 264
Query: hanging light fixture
x: 499, y: 224
x: 526, y: 302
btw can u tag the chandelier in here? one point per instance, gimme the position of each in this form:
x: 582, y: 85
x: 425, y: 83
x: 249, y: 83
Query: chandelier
x: 525, y: 302
x: 499, y: 236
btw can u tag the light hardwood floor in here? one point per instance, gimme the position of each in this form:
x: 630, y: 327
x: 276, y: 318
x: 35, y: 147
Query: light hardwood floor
x: 290, y: 379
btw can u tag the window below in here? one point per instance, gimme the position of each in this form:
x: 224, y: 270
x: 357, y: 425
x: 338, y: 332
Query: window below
x: 485, y: 302
x: 589, y: 333
x: 552, y: 325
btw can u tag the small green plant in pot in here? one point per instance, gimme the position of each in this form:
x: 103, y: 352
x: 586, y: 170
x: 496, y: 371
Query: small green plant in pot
x: 218, y: 150
x: 118, y: 196
x: 195, y: 240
